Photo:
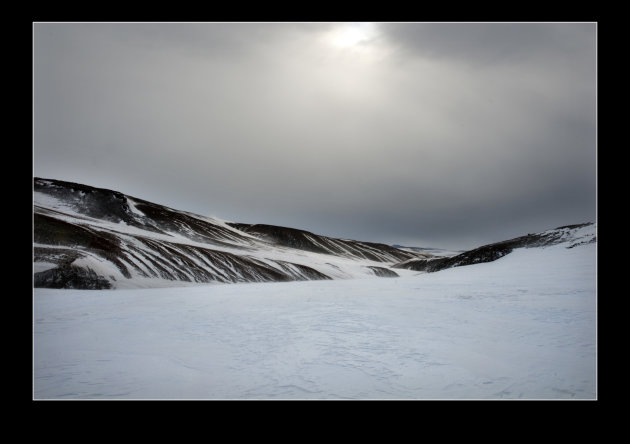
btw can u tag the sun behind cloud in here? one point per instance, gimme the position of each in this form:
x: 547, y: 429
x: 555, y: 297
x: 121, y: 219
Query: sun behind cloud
x: 348, y: 35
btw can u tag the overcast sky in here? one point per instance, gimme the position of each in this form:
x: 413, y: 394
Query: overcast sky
x: 447, y: 135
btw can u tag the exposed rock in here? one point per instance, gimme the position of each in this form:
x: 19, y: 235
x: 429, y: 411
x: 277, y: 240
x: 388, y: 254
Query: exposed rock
x: 71, y: 277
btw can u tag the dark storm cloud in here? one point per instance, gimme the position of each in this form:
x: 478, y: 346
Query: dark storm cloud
x: 445, y: 134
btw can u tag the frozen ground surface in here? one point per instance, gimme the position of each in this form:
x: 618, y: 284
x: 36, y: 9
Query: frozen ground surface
x: 523, y: 326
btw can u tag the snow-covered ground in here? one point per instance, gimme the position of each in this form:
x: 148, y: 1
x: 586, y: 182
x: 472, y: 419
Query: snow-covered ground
x: 523, y: 326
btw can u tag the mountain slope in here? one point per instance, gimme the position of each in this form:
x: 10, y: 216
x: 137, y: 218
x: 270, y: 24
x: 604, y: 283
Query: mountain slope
x: 93, y: 238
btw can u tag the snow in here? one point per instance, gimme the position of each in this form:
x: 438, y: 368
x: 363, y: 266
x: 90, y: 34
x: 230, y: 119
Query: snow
x: 99, y: 265
x: 43, y: 266
x: 132, y: 206
x: 48, y: 201
x: 522, y: 327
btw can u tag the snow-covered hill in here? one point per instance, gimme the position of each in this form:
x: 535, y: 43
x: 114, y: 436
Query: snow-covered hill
x: 92, y: 238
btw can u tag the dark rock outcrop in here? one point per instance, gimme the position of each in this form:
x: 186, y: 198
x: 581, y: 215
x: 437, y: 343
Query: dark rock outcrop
x: 71, y: 277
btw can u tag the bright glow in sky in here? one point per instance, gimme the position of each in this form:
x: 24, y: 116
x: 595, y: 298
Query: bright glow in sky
x: 352, y: 34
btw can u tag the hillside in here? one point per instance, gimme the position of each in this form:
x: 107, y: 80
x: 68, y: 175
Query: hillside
x: 570, y: 235
x: 92, y: 238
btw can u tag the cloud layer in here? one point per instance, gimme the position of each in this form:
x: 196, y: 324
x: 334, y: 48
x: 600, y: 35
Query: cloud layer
x: 449, y: 135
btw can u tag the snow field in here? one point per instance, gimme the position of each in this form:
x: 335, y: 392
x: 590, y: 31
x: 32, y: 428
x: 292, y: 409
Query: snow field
x: 522, y: 327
